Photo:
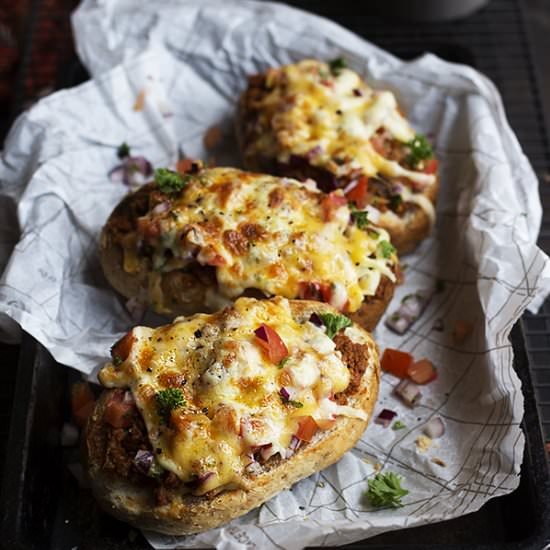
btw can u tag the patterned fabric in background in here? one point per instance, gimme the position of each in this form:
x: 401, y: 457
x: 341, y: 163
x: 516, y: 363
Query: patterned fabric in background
x: 48, y: 22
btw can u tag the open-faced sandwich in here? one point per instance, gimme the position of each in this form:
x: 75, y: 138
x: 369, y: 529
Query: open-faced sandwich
x: 195, y: 242
x: 209, y: 417
x: 322, y: 121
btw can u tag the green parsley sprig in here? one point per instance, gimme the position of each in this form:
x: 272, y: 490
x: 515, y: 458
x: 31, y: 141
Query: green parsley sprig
x: 336, y: 65
x: 170, y: 181
x: 420, y: 150
x: 167, y: 400
x: 386, y: 249
x: 123, y: 151
x: 334, y: 323
x: 398, y: 425
x: 385, y: 491
x: 360, y: 217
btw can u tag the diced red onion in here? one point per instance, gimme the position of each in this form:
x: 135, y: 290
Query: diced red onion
x: 397, y: 323
x: 143, y: 461
x: 409, y: 311
x: 316, y: 320
x: 284, y: 394
x: 385, y: 417
x: 133, y: 171
x: 261, y: 333
x: 397, y: 188
x: 118, y: 173
x: 161, y: 207
x: 315, y: 151
x: 434, y: 428
x: 408, y: 392
x: 69, y: 435
x: 294, y: 443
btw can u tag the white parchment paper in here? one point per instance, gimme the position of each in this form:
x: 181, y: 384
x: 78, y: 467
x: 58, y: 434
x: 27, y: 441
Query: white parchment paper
x: 189, y: 60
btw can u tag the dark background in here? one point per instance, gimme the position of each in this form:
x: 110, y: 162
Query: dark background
x: 509, y: 41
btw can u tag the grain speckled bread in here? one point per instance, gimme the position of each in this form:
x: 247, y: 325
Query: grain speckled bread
x: 322, y: 121
x: 177, y: 506
x: 229, y: 233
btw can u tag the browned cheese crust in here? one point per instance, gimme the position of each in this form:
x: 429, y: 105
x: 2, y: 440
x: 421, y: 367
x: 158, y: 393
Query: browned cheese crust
x: 253, y: 123
x: 165, y: 508
x: 185, y: 290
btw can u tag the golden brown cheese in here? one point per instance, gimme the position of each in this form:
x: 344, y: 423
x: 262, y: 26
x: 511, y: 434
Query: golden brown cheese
x: 267, y: 233
x: 235, y: 404
x: 312, y: 113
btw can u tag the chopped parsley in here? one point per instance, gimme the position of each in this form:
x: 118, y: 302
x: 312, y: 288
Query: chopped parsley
x: 386, y: 249
x: 385, y: 491
x: 296, y: 404
x: 117, y: 360
x: 336, y: 65
x: 360, y: 217
x: 420, y: 150
x: 169, y: 181
x: 282, y: 363
x: 123, y: 151
x: 334, y: 323
x: 398, y: 425
x: 396, y: 201
x: 168, y: 400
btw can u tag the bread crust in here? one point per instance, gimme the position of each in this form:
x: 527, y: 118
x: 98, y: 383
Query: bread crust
x: 187, y: 514
x: 406, y: 230
x: 186, y: 292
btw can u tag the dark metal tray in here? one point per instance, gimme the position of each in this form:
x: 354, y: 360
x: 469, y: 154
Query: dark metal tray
x: 41, y: 504
x: 44, y: 507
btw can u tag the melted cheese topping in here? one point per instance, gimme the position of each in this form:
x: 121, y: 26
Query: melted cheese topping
x: 233, y: 405
x: 330, y: 120
x: 265, y: 233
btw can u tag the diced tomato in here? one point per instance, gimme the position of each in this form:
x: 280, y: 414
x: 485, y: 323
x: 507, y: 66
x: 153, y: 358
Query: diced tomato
x: 358, y: 194
x: 330, y: 203
x: 118, y: 411
x: 184, y: 165
x: 82, y: 402
x: 422, y: 372
x: 312, y: 290
x: 396, y: 362
x: 272, y: 343
x: 430, y: 166
x: 150, y: 229
x: 306, y: 428
x: 121, y: 350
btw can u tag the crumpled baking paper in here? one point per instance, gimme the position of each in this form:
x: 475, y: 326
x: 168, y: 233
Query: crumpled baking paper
x: 189, y: 61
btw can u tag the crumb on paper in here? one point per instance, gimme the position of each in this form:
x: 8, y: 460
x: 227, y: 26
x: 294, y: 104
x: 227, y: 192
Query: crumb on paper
x: 140, y: 101
x: 321, y: 484
x: 212, y: 137
x: 366, y: 460
x: 377, y: 467
x: 439, y: 461
x: 462, y: 330
x: 423, y: 443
